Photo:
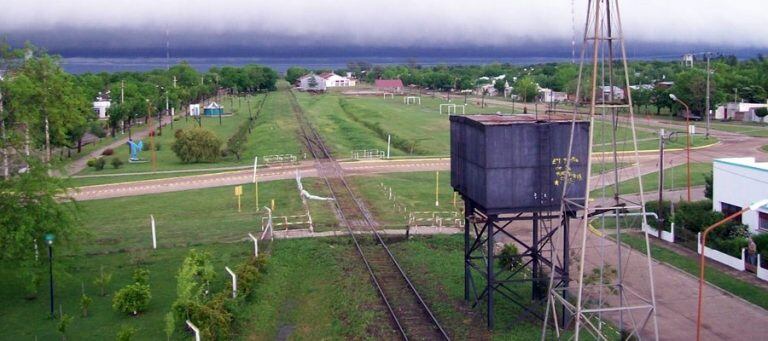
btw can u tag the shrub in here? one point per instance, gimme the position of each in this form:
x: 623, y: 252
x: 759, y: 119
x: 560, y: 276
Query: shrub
x: 61, y: 327
x: 98, y: 130
x: 761, y: 112
x: 125, y: 333
x: 116, y: 162
x: 761, y: 241
x: 178, y: 133
x: 99, y: 163
x: 696, y: 215
x: 103, y: 281
x: 157, y: 146
x: 85, y: 302
x: 214, y: 318
x: 197, y: 145
x: 108, y: 152
x: 653, y: 206
x: 249, y: 273
x: 141, y: 275
x: 731, y: 246
x: 132, y: 299
x: 509, y: 257
x: 91, y: 163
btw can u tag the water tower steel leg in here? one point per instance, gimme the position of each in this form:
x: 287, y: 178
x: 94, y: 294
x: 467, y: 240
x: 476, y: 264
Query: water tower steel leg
x: 490, y: 280
x: 565, y: 272
x: 535, y: 259
x: 468, y: 210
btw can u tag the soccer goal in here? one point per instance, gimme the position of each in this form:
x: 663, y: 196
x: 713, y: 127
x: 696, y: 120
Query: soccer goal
x: 412, y: 100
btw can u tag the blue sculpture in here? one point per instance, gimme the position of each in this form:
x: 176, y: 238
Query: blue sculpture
x: 135, y: 149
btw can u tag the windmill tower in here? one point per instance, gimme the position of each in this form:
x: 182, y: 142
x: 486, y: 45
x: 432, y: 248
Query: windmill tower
x: 603, y: 299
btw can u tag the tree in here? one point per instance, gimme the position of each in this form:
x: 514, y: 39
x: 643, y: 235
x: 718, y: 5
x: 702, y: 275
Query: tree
x: 103, y: 281
x: 500, y: 86
x: 132, y: 299
x: 293, y: 73
x: 526, y: 88
x: 708, y: 185
x: 197, y: 145
x: 312, y: 82
x: 691, y: 88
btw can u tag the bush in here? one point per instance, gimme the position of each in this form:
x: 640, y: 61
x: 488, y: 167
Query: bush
x: 103, y: 281
x: 108, y: 152
x: 178, y: 133
x: 132, y: 299
x: 141, y: 275
x: 509, y: 257
x: 731, y: 246
x: 125, y: 333
x: 761, y: 241
x: 214, y: 318
x: 99, y: 163
x: 197, y: 145
x: 653, y: 206
x: 85, y: 302
x: 61, y: 327
x: 248, y: 274
x: 761, y: 112
x: 98, y: 130
x: 116, y: 162
x: 91, y: 163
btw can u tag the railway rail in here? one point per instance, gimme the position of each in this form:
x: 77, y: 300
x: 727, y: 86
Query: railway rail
x: 410, y: 315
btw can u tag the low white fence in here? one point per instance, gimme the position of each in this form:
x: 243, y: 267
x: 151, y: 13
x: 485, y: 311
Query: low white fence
x: 665, y: 236
x: 280, y: 159
x: 288, y: 221
x: 731, y: 261
x: 436, y: 218
x: 368, y: 154
x: 761, y: 273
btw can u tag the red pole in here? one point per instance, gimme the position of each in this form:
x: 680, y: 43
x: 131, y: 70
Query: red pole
x: 701, y: 266
x: 688, y: 149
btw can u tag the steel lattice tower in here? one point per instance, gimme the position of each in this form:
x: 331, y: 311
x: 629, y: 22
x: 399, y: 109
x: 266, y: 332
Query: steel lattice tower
x: 602, y: 294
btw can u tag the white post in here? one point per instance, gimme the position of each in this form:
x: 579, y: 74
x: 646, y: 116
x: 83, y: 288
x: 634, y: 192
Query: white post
x: 197, y: 331
x: 154, y: 233
x: 255, y: 244
x: 389, y: 141
x: 255, y: 164
x: 234, y: 281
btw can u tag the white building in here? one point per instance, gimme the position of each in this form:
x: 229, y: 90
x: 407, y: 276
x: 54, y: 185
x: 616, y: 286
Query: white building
x: 100, y: 107
x: 739, y: 111
x: 334, y: 80
x: 548, y: 95
x: 737, y: 183
x: 614, y: 92
x: 312, y: 82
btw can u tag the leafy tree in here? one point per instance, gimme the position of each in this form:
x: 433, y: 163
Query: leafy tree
x: 132, y: 299
x: 125, y: 333
x: 691, y: 88
x: 85, y: 302
x: 197, y: 145
x: 64, y: 322
x: 761, y: 112
x: 500, y: 86
x: 526, y: 88
x: 103, y: 281
x: 293, y: 73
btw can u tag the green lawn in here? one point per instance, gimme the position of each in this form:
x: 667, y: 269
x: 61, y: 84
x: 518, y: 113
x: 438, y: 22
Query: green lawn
x: 674, y: 178
x: 274, y: 133
x: 310, y: 288
x: 765, y: 148
x: 194, y: 216
x: 747, y: 291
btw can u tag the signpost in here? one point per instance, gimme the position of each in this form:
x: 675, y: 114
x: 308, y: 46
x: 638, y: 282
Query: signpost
x: 154, y: 233
x: 238, y: 194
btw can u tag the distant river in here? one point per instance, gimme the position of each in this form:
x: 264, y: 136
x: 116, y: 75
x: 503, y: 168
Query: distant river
x: 82, y: 65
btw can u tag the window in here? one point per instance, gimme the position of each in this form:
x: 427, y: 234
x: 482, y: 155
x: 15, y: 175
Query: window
x: 762, y: 221
x: 729, y: 209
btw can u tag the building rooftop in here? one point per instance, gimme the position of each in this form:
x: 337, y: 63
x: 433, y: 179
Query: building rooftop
x: 748, y: 162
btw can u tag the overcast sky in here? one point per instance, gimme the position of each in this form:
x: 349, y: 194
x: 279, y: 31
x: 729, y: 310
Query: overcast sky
x: 205, y: 24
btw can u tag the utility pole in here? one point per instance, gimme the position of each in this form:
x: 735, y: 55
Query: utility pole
x: 122, y: 92
x: 151, y: 137
x: 706, y: 135
x: 661, y: 182
x: 6, y: 170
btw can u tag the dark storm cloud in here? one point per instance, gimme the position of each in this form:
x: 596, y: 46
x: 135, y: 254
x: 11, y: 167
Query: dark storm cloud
x: 81, y: 26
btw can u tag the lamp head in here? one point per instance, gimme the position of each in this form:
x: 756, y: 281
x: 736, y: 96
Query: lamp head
x: 49, y: 237
x: 673, y: 97
x: 757, y: 204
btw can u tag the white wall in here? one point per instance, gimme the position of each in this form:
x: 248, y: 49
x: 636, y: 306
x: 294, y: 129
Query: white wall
x: 304, y: 83
x: 737, y: 183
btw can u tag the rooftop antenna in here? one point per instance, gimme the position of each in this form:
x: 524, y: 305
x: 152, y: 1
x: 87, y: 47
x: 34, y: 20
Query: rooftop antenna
x: 600, y: 293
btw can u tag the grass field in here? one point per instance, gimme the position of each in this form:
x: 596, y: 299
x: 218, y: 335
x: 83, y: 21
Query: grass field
x: 195, y: 216
x: 747, y: 291
x: 128, y: 177
x: 274, y: 133
x: 674, y: 178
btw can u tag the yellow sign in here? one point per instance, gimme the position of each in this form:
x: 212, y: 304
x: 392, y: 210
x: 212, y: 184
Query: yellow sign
x: 238, y: 190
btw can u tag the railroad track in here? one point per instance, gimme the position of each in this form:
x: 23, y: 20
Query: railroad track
x: 410, y: 315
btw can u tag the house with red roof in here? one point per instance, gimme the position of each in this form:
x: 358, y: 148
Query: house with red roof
x: 389, y: 85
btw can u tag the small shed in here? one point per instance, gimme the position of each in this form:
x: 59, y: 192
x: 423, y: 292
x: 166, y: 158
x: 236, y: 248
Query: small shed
x: 213, y: 109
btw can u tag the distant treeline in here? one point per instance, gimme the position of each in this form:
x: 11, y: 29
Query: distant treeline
x: 744, y: 79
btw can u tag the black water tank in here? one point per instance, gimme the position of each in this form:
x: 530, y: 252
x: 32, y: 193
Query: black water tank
x: 515, y: 163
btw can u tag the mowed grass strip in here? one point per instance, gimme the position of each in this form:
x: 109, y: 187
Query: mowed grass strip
x: 674, y: 178
x: 274, y: 133
x: 194, y: 216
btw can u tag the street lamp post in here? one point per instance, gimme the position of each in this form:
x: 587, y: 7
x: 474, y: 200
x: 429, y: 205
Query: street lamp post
x: 702, y: 258
x: 687, y: 140
x: 49, y: 237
